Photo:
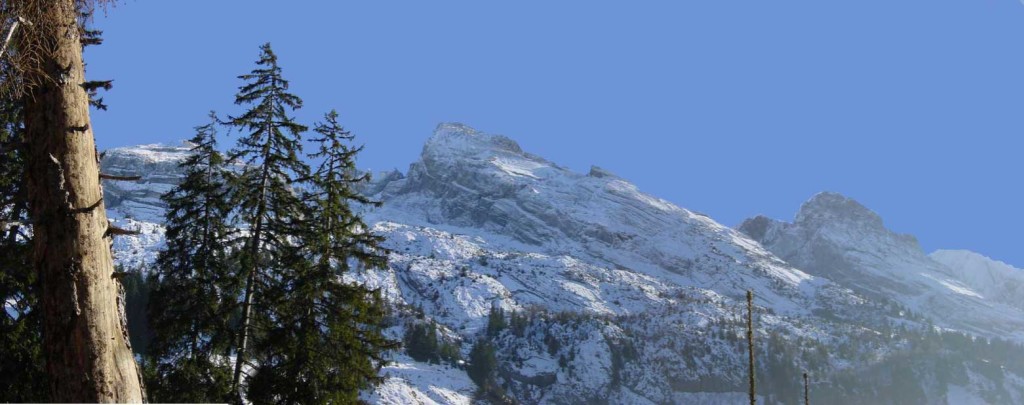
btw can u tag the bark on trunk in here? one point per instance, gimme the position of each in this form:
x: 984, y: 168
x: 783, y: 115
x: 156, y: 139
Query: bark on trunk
x: 85, y: 338
x: 250, y: 283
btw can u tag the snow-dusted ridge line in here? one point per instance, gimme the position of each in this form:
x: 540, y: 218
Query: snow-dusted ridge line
x: 996, y: 280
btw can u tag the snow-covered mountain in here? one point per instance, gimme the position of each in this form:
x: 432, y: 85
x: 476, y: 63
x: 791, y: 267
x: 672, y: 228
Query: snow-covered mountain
x: 993, y: 279
x: 837, y: 238
x: 479, y: 184
x: 621, y: 297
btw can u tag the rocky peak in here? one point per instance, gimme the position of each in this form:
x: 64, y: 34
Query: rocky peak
x: 453, y: 138
x: 759, y: 228
x: 834, y: 208
x: 600, y: 172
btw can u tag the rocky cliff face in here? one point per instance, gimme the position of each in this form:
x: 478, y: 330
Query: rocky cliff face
x: 467, y: 179
x: 622, y: 297
x: 136, y: 204
x: 837, y: 238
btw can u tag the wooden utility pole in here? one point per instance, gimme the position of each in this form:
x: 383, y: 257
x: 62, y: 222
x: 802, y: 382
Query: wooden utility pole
x: 807, y: 391
x: 750, y: 344
x: 85, y: 338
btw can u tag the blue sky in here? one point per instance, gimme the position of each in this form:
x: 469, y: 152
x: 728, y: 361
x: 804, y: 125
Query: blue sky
x: 731, y: 108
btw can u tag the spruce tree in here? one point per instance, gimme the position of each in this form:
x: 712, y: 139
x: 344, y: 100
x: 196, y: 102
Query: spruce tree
x: 193, y: 297
x: 326, y: 331
x: 483, y: 365
x: 266, y: 197
x: 421, y: 342
x: 22, y: 378
x: 496, y: 321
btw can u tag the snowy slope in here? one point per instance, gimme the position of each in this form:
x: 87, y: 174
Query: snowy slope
x: 994, y: 280
x: 410, y: 382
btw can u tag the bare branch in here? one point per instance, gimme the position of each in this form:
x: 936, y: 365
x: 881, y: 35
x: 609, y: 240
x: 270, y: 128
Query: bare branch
x: 104, y: 176
x: 10, y: 33
x: 115, y: 231
x: 5, y: 225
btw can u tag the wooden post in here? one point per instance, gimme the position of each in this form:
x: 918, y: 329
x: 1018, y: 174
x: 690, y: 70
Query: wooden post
x: 807, y: 392
x: 750, y: 343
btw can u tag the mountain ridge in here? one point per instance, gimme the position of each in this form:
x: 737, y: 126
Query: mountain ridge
x: 628, y: 297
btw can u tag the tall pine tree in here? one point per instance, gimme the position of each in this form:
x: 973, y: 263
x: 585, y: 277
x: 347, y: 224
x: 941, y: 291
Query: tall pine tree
x: 327, y: 331
x: 270, y: 149
x: 193, y: 299
x: 86, y: 350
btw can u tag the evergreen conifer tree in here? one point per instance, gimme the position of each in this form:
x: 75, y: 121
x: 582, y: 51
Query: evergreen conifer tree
x: 483, y: 365
x: 496, y: 321
x: 326, y: 331
x: 192, y: 300
x: 267, y: 199
x: 22, y: 378
x: 421, y: 342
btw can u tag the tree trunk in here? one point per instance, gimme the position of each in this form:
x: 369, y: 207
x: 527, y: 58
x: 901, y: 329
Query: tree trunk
x: 250, y: 281
x: 85, y: 338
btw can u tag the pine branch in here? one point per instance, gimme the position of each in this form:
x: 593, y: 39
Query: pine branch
x: 91, y: 37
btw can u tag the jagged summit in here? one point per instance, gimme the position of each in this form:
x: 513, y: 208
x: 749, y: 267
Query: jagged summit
x: 469, y: 179
x: 757, y: 227
x: 600, y: 172
x: 831, y: 208
x: 454, y: 138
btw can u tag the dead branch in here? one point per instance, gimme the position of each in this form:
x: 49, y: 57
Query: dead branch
x: 5, y: 225
x: 104, y: 176
x: 10, y: 33
x: 115, y: 231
